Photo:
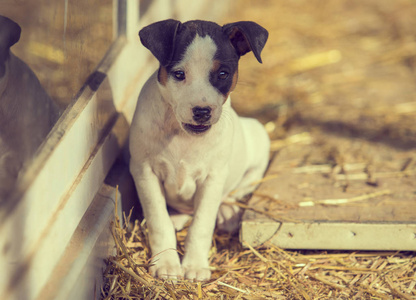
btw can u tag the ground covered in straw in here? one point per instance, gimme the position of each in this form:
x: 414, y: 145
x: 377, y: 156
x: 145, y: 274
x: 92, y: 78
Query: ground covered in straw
x: 338, y: 81
x: 267, y: 272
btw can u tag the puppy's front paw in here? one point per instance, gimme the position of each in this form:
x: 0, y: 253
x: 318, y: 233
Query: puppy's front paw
x: 166, y: 265
x: 195, y: 267
x: 196, y: 273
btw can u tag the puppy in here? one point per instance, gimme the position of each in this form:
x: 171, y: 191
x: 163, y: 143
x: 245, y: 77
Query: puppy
x: 26, y: 112
x: 189, y: 149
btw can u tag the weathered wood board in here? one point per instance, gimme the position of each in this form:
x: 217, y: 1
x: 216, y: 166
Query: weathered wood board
x: 309, y: 200
x: 58, y: 187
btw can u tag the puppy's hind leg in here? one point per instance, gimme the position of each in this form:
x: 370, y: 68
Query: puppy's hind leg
x: 257, y: 144
x: 229, y: 214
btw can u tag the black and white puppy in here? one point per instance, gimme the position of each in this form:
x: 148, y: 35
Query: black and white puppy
x: 189, y: 149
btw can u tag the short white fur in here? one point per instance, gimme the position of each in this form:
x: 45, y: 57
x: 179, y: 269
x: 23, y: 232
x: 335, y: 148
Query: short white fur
x: 196, y: 89
x: 191, y: 173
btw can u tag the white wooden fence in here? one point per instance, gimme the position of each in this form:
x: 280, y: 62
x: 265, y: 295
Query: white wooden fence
x: 54, y: 234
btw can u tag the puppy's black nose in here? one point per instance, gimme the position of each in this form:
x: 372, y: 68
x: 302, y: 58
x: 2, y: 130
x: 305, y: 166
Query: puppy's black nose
x: 201, y: 114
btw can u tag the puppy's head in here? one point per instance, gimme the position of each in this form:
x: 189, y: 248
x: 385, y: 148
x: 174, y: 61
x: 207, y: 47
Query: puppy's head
x: 199, y: 65
x: 9, y: 35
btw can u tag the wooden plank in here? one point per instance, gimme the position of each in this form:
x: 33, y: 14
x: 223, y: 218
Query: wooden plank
x: 37, y: 264
x: 337, y: 235
x: 329, y: 235
x: 89, y: 137
x: 317, y: 205
x: 77, y: 275
x: 58, y: 187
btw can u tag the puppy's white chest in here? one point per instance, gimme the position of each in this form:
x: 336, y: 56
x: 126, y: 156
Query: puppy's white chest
x: 179, y: 181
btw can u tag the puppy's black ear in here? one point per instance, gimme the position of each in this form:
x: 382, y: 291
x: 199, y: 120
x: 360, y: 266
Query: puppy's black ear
x: 159, y: 38
x: 9, y: 35
x: 247, y: 36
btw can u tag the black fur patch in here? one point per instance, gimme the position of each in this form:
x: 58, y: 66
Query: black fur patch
x: 168, y: 41
x: 9, y: 35
x: 226, y: 55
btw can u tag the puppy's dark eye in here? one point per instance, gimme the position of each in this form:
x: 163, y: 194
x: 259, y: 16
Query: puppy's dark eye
x: 179, y: 75
x: 222, y: 75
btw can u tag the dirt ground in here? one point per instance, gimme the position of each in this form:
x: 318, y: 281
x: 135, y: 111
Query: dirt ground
x: 339, y: 77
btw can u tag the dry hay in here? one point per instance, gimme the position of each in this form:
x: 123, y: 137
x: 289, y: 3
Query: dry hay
x: 267, y: 272
x: 344, y: 69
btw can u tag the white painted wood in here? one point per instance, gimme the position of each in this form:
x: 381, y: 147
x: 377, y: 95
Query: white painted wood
x: 52, y: 196
x: 37, y: 265
x: 258, y: 232
x: 132, y: 19
x: 77, y: 275
x: 331, y: 235
x: 40, y: 225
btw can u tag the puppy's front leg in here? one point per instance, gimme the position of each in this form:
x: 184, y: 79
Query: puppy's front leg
x: 162, y: 237
x: 199, y: 238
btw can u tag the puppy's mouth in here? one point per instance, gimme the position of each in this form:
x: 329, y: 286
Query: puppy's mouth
x: 197, y: 129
